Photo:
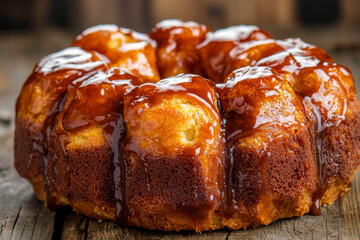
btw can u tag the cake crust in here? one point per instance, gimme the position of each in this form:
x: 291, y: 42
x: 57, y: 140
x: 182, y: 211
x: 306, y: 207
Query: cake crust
x: 250, y: 130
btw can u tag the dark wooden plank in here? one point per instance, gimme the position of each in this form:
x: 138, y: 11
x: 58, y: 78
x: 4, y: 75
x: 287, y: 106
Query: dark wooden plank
x: 22, y: 216
x: 350, y: 211
x: 75, y: 227
x: 326, y: 226
x: 80, y: 227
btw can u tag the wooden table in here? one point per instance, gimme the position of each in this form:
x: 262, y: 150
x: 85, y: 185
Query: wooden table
x: 22, y: 216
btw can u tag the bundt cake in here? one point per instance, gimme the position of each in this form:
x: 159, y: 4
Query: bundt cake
x: 188, y: 129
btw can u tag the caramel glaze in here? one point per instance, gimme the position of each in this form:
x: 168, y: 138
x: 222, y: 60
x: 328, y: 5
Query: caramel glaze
x: 155, y: 143
x: 50, y: 80
x: 124, y: 48
x: 214, y: 50
x: 98, y: 100
x: 176, y: 47
x: 269, y: 89
x: 49, y: 83
x: 310, y: 71
x: 321, y: 83
x: 258, y: 107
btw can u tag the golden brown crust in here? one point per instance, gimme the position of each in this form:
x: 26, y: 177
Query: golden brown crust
x: 177, y: 47
x: 28, y: 162
x: 114, y: 42
x: 195, y: 155
x: 342, y: 153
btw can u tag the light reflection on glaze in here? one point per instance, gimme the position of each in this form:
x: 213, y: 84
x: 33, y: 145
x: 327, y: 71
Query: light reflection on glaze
x: 177, y: 47
x: 256, y: 104
x: 313, y: 75
x: 179, y: 85
x: 97, y: 98
x: 268, y: 84
x: 124, y: 48
x: 69, y: 59
x: 178, y: 26
x: 240, y: 33
x: 214, y: 51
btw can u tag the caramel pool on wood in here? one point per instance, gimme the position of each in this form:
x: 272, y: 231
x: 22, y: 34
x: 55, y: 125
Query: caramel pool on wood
x: 188, y: 129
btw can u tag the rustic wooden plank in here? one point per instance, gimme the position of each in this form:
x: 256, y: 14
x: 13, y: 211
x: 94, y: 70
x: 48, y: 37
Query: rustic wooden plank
x: 326, y: 226
x: 22, y: 216
x: 350, y: 211
x: 80, y: 227
x: 75, y: 227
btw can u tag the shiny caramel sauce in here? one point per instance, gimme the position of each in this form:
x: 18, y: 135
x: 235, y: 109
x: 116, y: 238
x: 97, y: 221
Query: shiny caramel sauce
x: 191, y: 85
x: 177, y: 47
x: 248, y: 53
x: 54, y: 72
x: 215, y: 49
x: 79, y: 78
x: 315, y: 77
x: 146, y: 140
x: 98, y: 100
x: 310, y: 71
x: 102, y: 92
x: 50, y: 78
x: 125, y: 48
x: 254, y: 99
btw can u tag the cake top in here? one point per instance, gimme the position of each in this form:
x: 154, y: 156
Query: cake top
x: 176, y: 47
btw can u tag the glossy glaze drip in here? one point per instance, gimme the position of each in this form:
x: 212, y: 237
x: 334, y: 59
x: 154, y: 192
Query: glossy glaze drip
x: 114, y: 133
x: 244, y: 104
x: 228, y: 202
x: 124, y: 48
x: 322, y: 170
x: 177, y: 47
x: 215, y: 49
x: 98, y: 100
x: 315, y: 77
x: 147, y: 144
x: 329, y: 109
x: 52, y: 75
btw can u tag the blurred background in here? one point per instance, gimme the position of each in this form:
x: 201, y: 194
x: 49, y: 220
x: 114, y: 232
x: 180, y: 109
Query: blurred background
x: 31, y: 29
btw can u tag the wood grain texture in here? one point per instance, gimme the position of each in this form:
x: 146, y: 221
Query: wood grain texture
x: 350, y: 211
x: 80, y: 227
